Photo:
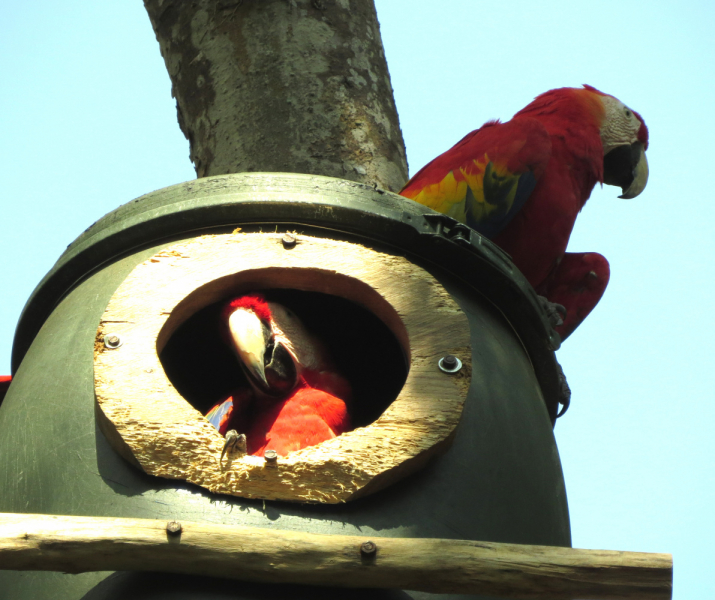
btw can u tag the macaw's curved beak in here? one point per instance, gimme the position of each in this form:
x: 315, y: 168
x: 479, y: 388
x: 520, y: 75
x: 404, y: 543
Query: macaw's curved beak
x: 626, y: 167
x: 266, y: 361
x: 250, y: 338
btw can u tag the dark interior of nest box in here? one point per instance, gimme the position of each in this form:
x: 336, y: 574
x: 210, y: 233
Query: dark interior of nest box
x: 204, y: 370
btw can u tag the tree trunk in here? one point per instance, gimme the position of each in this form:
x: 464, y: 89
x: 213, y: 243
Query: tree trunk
x: 282, y: 85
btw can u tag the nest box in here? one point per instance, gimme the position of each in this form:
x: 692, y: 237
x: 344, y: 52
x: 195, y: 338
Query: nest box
x: 99, y: 353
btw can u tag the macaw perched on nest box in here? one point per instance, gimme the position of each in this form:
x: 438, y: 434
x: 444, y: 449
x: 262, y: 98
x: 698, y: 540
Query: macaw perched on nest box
x: 522, y: 183
x: 297, y: 398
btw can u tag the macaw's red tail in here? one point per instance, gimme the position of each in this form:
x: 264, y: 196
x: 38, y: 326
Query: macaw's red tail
x: 5, y: 381
x: 578, y: 284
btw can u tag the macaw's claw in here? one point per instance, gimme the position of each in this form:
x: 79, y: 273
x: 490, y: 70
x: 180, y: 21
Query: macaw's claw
x: 564, y: 392
x: 234, y: 440
x: 555, y: 312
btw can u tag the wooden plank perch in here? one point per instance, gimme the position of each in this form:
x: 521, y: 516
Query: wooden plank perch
x: 80, y: 544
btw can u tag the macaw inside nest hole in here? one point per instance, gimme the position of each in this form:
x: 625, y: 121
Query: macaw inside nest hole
x: 202, y: 367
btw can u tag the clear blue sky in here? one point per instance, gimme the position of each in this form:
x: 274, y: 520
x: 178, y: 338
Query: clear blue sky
x: 88, y: 123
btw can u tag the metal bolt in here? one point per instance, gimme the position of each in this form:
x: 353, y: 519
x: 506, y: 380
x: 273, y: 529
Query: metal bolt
x: 173, y: 527
x: 450, y: 364
x: 271, y: 456
x: 368, y: 549
x: 289, y: 240
x: 112, y: 341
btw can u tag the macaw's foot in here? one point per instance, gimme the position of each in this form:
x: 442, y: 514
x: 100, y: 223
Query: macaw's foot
x: 576, y: 284
x: 234, y: 441
x: 555, y: 312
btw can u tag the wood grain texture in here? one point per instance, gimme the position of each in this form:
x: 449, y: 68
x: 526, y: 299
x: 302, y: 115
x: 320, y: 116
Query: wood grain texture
x: 80, y: 544
x: 150, y: 424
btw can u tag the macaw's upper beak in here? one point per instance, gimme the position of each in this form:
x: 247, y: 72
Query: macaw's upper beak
x: 250, y: 337
x: 626, y: 167
x: 266, y: 360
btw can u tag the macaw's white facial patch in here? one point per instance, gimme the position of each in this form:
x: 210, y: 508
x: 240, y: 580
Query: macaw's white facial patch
x: 248, y: 340
x: 620, y: 125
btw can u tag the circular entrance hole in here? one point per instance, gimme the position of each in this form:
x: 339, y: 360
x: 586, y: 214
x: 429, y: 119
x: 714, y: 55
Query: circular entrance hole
x: 204, y: 370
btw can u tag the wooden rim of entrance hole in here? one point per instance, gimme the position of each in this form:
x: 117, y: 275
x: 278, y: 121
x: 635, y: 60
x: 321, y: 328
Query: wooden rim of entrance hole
x: 154, y: 427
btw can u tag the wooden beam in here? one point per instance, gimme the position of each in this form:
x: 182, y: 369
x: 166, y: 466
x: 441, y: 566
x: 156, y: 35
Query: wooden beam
x: 80, y: 544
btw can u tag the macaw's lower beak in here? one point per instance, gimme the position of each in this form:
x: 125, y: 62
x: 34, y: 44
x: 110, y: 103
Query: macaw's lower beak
x: 281, y: 371
x: 626, y: 167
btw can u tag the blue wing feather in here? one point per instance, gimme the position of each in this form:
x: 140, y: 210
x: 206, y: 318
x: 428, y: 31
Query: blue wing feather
x: 220, y: 415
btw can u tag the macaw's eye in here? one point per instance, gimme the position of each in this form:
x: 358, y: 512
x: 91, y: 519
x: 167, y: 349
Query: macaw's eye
x: 628, y: 113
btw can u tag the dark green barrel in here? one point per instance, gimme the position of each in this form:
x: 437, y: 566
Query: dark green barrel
x: 500, y: 481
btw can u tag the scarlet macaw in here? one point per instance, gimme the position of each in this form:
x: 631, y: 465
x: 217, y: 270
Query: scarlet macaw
x: 296, y: 398
x: 522, y: 183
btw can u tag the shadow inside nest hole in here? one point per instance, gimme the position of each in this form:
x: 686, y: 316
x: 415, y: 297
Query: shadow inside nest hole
x: 204, y: 370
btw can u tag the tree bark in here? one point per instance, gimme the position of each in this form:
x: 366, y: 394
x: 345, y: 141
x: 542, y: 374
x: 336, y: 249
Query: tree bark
x: 282, y: 85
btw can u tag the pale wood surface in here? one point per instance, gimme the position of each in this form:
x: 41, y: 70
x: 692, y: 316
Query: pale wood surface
x: 147, y: 421
x: 79, y: 544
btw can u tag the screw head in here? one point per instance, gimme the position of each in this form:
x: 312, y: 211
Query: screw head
x: 449, y: 361
x: 368, y: 549
x: 173, y: 527
x: 112, y: 341
x: 289, y: 240
x: 449, y: 364
x: 271, y: 456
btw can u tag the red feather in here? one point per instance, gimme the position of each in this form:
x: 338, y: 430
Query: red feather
x: 538, y: 235
x: 5, y: 381
x: 255, y: 302
x: 578, y: 284
x: 307, y: 417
